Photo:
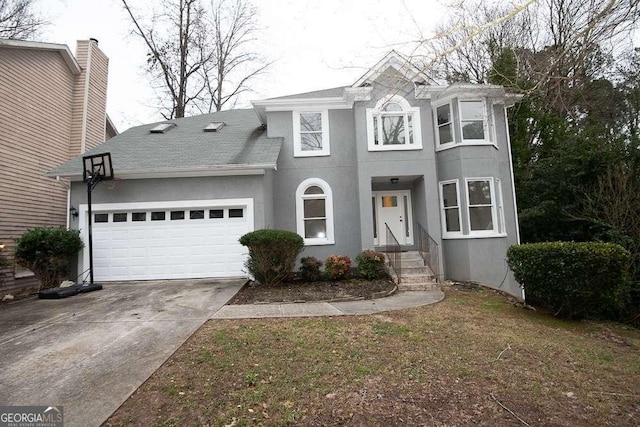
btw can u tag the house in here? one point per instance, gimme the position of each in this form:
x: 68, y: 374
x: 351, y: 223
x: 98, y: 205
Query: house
x: 389, y: 160
x: 52, y: 109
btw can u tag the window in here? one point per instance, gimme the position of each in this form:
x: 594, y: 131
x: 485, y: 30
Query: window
x: 138, y: 216
x: 450, y: 207
x: 311, y: 133
x: 445, y: 124
x: 472, y: 121
x: 484, y: 202
x: 394, y: 125
x: 120, y: 217
x: 216, y: 213
x: 177, y: 215
x: 98, y: 218
x: 314, y: 212
x: 236, y: 213
x: 196, y: 214
x: 157, y: 216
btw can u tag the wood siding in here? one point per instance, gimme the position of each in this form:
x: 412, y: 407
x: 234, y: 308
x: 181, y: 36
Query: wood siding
x: 38, y: 105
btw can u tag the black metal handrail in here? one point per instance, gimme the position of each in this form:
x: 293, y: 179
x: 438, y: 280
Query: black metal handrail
x: 428, y: 250
x: 394, y: 252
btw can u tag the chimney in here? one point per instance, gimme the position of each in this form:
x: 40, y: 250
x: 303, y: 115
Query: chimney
x: 89, y: 98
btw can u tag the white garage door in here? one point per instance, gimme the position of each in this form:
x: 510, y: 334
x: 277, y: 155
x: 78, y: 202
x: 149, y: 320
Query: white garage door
x: 170, y: 242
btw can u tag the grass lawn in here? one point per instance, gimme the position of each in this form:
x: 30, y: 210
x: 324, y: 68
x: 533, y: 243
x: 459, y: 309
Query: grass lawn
x: 473, y: 358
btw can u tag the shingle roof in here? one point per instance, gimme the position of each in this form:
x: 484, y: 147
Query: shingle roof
x: 335, y: 92
x: 242, y: 142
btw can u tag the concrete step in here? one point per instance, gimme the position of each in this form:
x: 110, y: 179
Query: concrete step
x: 417, y: 278
x: 418, y: 286
x: 412, y: 264
x: 422, y: 269
x: 411, y: 255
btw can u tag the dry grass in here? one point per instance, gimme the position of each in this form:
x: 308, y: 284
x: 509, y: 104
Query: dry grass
x: 453, y: 363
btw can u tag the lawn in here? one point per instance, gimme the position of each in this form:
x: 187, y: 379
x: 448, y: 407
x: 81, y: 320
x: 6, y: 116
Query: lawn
x: 473, y: 358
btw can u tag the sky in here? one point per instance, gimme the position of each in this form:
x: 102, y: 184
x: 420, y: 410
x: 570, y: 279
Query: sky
x: 314, y: 44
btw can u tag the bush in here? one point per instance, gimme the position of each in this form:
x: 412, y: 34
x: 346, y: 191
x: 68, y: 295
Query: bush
x: 370, y: 264
x: 336, y: 267
x: 575, y: 280
x: 310, y: 269
x: 48, y: 251
x: 272, y: 254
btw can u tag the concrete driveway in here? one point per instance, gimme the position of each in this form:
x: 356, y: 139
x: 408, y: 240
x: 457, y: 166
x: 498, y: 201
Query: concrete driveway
x: 89, y: 352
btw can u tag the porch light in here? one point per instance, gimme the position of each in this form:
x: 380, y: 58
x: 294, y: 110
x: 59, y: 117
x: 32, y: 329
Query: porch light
x: 73, y: 211
x: 394, y: 180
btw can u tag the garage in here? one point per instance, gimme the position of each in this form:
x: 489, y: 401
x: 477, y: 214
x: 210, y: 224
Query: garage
x: 170, y: 240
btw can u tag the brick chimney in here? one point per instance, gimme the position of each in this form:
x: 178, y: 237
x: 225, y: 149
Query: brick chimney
x: 89, y: 98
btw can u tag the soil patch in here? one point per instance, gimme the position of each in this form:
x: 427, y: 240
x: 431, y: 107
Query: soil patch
x: 299, y: 291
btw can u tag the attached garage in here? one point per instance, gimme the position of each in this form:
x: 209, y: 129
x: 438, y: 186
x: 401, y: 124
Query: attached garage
x: 168, y: 240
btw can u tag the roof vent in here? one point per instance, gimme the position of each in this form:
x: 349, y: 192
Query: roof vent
x: 214, y: 126
x: 162, y: 127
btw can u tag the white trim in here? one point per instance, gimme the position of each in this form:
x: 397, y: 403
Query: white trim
x: 513, y: 184
x: 456, y: 117
x: 83, y: 257
x: 467, y: 144
x: 408, y: 111
x: 475, y: 236
x: 230, y: 170
x: 408, y: 240
x: 63, y: 49
x: 494, y: 217
x: 443, y: 219
x: 297, y: 141
x: 485, y: 125
x: 439, y: 146
x: 328, y: 198
x: 392, y: 59
x: 68, y: 207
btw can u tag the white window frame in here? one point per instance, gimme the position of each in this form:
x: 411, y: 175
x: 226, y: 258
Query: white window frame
x: 443, y: 218
x: 297, y: 141
x: 408, y: 110
x: 328, y: 198
x: 488, y: 122
x: 495, y: 232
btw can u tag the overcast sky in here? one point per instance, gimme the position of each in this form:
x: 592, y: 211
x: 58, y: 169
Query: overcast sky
x: 315, y: 44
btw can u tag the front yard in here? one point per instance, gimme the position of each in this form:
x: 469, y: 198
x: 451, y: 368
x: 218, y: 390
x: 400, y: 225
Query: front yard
x: 473, y: 358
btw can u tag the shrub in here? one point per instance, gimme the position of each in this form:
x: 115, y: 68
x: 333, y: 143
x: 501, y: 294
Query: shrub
x: 336, y: 267
x: 48, y: 251
x: 272, y: 254
x: 310, y: 269
x: 575, y: 280
x: 370, y: 264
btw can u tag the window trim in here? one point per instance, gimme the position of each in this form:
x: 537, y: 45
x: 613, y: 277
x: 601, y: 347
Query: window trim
x: 297, y: 141
x: 328, y: 198
x: 408, y: 110
x: 452, y: 122
x: 443, y: 218
x: 495, y: 232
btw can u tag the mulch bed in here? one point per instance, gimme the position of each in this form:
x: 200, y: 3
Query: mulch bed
x: 299, y: 291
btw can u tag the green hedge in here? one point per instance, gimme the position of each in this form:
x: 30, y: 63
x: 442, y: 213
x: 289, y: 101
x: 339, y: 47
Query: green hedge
x: 574, y: 280
x: 272, y: 254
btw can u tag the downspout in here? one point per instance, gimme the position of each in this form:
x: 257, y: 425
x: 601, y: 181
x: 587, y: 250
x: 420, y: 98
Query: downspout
x: 513, y: 184
x: 85, y: 104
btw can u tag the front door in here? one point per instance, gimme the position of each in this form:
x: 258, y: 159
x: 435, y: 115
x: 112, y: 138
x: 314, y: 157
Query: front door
x: 392, y: 208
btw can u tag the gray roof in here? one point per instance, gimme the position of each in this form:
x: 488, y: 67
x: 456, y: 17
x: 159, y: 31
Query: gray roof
x: 241, y: 143
x: 335, y: 92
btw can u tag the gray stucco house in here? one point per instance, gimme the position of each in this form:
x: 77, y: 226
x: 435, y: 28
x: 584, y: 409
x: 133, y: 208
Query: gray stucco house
x: 338, y: 166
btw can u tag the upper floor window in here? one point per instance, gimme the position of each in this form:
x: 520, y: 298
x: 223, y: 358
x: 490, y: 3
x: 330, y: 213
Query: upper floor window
x: 310, y: 133
x: 314, y: 212
x: 394, y: 125
x: 461, y: 122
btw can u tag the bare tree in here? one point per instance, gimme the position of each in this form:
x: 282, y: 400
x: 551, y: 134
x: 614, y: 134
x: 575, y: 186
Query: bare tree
x: 18, y: 20
x: 199, y: 58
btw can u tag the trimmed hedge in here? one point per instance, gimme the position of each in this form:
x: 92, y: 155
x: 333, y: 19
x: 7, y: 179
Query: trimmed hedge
x: 272, y: 254
x: 574, y: 280
x: 48, y: 251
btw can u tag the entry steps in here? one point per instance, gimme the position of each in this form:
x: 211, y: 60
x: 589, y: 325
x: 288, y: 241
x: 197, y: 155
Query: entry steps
x: 415, y: 274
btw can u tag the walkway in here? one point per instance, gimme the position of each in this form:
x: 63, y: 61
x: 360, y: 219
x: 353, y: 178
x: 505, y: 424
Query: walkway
x: 397, y: 301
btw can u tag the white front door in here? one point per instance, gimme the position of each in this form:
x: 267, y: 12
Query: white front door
x: 393, y: 208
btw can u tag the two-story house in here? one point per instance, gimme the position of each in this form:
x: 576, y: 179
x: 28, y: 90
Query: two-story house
x: 52, y: 108
x: 390, y: 159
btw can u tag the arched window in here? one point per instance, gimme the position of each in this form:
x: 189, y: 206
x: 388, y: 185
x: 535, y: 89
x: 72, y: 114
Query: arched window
x: 394, y: 125
x: 314, y: 212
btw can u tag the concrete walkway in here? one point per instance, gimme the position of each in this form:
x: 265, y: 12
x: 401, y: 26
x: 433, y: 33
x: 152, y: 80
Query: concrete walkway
x: 397, y: 301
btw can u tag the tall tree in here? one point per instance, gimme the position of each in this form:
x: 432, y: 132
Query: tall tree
x: 18, y: 20
x: 199, y: 58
